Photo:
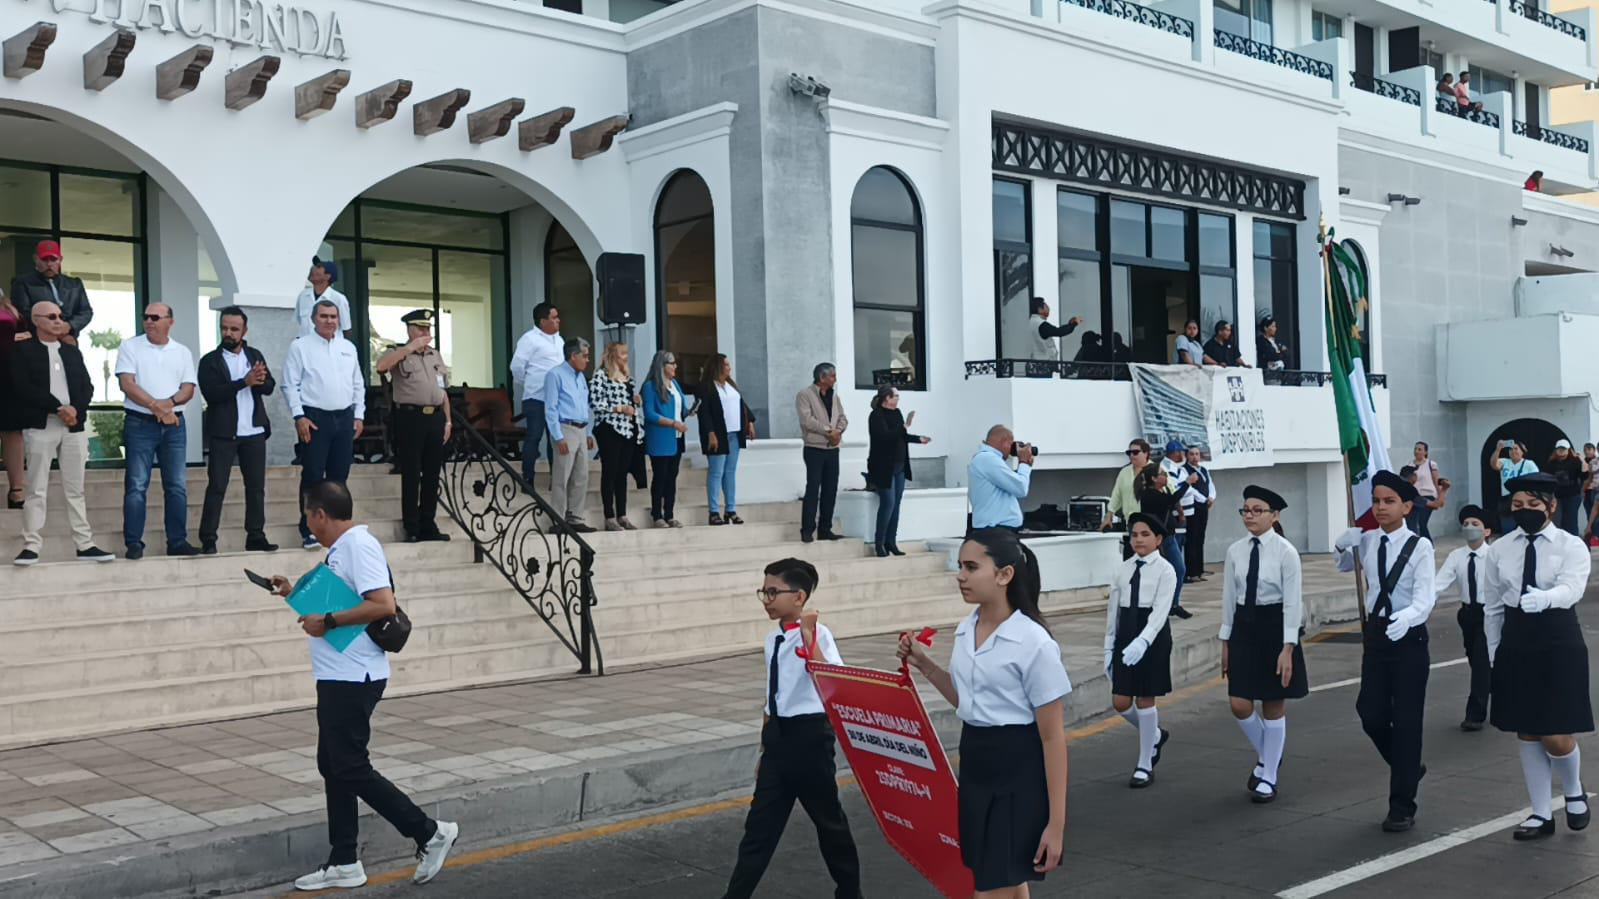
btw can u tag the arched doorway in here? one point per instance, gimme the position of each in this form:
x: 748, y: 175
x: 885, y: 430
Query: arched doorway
x: 685, y: 274
x: 886, y: 254
x: 1537, y: 435
x: 569, y: 283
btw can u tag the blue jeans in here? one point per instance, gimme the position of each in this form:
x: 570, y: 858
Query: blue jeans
x: 148, y: 443
x: 329, y: 454
x: 1173, y: 548
x: 888, y: 511
x: 723, y: 475
x: 537, y: 434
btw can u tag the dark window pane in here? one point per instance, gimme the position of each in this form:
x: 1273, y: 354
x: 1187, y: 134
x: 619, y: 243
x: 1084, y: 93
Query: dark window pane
x: 687, y: 256
x: 1014, y: 287
x: 1215, y: 240
x: 1282, y: 241
x: 1285, y: 300
x: 100, y: 205
x: 1010, y: 212
x: 1077, y: 221
x: 885, y: 267
x: 344, y: 225
x: 1150, y: 306
x: 569, y: 284
x: 885, y: 342
x: 685, y: 197
x: 25, y: 198
x: 1216, y: 303
x: 1232, y: 16
x: 1127, y: 237
x: 426, y: 226
x: 1262, y: 239
x: 1169, y: 230
x: 882, y: 197
x: 1079, y: 297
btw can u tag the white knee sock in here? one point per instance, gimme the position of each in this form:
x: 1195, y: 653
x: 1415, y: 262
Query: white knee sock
x: 1536, y: 767
x: 1130, y: 716
x: 1148, y: 736
x: 1272, y: 749
x: 1569, y: 767
x: 1255, y: 733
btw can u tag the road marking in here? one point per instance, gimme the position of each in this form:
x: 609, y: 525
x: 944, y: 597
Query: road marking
x: 1382, y: 864
x: 1350, y: 682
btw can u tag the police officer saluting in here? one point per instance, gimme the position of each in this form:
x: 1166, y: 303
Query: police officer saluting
x: 421, y: 424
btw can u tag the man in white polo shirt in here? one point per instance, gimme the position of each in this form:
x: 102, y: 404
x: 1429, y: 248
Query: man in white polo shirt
x: 157, y: 377
x: 323, y: 273
x: 539, y: 351
x: 326, y: 391
x: 349, y: 685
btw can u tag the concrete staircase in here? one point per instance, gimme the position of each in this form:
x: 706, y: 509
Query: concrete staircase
x: 91, y: 649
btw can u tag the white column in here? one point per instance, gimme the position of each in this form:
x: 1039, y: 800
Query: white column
x: 175, y: 281
x: 1248, y: 315
x: 1046, y: 257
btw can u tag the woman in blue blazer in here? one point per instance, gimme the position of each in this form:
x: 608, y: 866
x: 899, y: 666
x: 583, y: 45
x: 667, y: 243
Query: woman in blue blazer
x: 665, y: 411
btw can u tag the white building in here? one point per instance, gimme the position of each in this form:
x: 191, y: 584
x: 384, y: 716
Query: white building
x: 884, y: 185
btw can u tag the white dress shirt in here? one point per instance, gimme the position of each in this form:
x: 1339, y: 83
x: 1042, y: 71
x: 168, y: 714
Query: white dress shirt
x: 536, y: 353
x: 796, y: 692
x: 1279, y: 582
x: 1413, y: 594
x: 1016, y: 670
x: 1203, y: 493
x: 1563, y: 566
x: 238, y: 369
x: 159, y: 370
x: 1455, y: 568
x: 307, y: 302
x: 358, y: 559
x: 1157, y: 582
x: 323, y: 374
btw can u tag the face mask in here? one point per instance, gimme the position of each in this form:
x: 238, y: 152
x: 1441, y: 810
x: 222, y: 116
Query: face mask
x: 1530, y: 520
x: 1472, y: 533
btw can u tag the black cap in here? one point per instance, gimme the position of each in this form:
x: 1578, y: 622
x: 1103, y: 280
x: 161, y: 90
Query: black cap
x: 1275, y: 501
x: 1537, y: 482
x: 420, y: 317
x: 1155, y: 524
x: 1406, y: 490
x: 1471, y: 511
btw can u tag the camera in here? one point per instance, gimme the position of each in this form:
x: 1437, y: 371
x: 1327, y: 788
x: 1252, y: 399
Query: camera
x: 1017, y: 445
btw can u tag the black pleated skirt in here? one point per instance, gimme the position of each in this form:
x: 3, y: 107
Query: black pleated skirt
x: 1152, y: 675
x: 1004, y: 803
x: 1540, y: 675
x: 1252, y: 650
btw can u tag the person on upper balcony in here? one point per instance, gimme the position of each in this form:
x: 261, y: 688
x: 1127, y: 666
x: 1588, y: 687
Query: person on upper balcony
x: 1446, y: 88
x: 1534, y: 182
x: 1042, y: 346
x: 1271, y: 353
x: 1221, y: 350
x: 1189, y: 351
x: 1463, y: 95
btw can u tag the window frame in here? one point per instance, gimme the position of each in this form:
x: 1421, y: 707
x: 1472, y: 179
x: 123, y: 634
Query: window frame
x: 690, y: 379
x: 918, y: 312
x: 1292, y: 334
x: 1004, y: 246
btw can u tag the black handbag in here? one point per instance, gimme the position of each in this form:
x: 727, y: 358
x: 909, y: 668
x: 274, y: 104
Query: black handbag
x: 391, y: 633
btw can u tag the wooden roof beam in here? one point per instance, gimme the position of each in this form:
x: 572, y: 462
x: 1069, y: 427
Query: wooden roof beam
x: 544, y: 130
x: 592, y: 140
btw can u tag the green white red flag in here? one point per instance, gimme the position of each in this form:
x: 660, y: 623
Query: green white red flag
x: 1360, y: 434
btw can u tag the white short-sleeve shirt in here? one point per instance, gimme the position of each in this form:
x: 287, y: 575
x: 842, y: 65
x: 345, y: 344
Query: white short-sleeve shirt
x: 358, y: 559
x: 1017, y: 670
x: 796, y: 692
x: 158, y: 370
x: 306, y: 304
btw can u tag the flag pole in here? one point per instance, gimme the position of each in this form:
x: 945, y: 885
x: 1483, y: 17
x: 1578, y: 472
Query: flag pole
x: 1323, y: 234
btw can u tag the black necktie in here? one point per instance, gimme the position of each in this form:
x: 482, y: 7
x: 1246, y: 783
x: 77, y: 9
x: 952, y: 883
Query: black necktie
x: 1529, y: 567
x: 1137, y: 576
x: 1384, y: 606
x: 1471, y: 579
x: 771, y: 677
x: 1252, y: 580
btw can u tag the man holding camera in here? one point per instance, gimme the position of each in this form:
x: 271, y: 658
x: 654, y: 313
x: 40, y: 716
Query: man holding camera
x: 995, y: 491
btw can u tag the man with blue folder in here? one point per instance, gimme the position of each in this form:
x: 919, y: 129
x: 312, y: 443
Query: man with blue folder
x: 349, y: 683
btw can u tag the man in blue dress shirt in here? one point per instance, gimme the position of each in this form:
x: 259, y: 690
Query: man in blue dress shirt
x: 566, y: 417
x: 995, y: 491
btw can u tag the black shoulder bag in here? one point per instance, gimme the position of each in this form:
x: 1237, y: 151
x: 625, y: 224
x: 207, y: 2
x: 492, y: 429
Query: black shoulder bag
x: 391, y: 633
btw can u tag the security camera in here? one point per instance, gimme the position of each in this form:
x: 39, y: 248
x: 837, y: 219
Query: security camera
x: 808, y: 86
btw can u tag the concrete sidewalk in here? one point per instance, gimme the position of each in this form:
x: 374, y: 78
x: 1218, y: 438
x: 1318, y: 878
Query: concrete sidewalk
x: 238, y: 804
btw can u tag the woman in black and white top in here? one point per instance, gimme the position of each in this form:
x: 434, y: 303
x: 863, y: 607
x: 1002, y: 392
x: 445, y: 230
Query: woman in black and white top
x: 619, y: 430
x: 1138, y: 640
x: 1008, y: 686
x: 1262, y: 608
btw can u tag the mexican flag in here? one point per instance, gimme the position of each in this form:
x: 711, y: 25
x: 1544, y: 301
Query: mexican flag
x: 1359, y: 432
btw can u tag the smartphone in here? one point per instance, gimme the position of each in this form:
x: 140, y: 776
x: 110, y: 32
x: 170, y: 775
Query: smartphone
x: 258, y: 580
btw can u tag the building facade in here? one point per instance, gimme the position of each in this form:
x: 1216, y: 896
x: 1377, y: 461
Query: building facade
x: 885, y: 186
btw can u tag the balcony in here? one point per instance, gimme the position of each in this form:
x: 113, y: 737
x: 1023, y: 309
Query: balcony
x: 1143, y: 15
x: 1277, y: 56
x: 1475, y: 366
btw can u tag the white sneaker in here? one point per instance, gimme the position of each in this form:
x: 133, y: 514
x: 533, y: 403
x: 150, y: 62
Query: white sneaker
x: 330, y: 876
x: 311, y: 544
x: 430, y: 858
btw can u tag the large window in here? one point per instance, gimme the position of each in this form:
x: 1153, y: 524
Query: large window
x: 1277, y: 283
x: 1245, y: 18
x: 685, y: 286
x: 569, y: 283
x: 1078, y: 247
x: 886, y: 261
x: 1487, y: 81
x: 1013, y: 266
x: 1325, y: 26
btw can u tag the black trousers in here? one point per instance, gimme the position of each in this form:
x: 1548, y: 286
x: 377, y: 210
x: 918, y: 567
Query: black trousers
x: 821, y: 490
x: 1194, y: 549
x: 251, y: 454
x: 797, y: 764
x: 344, y: 726
x: 663, y: 486
x: 1482, y: 672
x: 616, y: 464
x: 419, y: 448
x: 1393, y: 692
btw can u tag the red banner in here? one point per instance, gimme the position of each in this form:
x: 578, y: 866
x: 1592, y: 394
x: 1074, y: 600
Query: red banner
x: 900, y: 766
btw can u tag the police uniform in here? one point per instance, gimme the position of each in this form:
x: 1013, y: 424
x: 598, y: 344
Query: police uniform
x: 1138, y: 643
x: 419, y: 416
x: 1395, y: 661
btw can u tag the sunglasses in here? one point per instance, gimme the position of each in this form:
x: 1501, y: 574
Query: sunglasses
x: 153, y: 318
x: 1135, y: 452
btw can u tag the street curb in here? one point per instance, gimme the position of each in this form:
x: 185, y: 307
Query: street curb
x: 264, y: 853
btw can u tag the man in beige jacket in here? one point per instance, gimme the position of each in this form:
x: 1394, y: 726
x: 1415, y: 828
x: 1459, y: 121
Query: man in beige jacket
x: 822, y: 424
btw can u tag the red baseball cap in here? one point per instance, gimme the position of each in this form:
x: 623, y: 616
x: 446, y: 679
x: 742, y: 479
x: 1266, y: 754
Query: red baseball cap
x: 47, y: 249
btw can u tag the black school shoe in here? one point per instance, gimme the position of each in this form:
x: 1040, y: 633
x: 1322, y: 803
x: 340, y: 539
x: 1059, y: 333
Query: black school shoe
x: 1577, y: 820
x: 1182, y: 613
x: 1530, y: 831
x: 1398, y: 823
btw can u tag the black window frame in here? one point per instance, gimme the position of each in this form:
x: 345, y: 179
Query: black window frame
x: 690, y: 378
x: 919, y: 311
x: 1287, y: 331
x: 1025, y: 247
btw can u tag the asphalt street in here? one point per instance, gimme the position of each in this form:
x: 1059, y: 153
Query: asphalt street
x: 1193, y: 834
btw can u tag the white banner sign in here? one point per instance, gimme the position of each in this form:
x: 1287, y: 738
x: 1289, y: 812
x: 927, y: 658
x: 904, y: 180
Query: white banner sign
x: 1221, y: 410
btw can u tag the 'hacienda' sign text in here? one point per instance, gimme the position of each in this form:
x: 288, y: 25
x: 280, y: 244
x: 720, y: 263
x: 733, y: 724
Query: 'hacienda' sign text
x: 246, y: 23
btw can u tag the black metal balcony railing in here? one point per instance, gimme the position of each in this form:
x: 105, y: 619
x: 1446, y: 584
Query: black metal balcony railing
x: 1143, y: 15
x: 1564, y: 26
x: 1374, y: 85
x: 1550, y: 136
x: 1118, y: 371
x: 1448, y: 106
x: 1288, y: 59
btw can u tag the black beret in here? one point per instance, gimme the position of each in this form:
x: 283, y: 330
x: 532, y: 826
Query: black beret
x: 1275, y: 501
x: 1470, y: 511
x: 1537, y: 482
x: 423, y: 317
x: 1406, y: 490
x: 1155, y: 524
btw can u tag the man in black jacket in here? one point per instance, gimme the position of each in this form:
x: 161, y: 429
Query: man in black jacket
x: 233, y: 379
x: 46, y: 284
x: 52, y: 387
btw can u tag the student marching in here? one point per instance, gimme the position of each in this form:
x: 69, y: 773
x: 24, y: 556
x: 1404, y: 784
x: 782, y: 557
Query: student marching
x: 1138, y: 641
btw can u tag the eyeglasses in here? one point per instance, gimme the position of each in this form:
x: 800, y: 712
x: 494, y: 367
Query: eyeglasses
x: 1254, y: 510
x: 770, y: 594
x: 153, y: 318
x: 1135, y: 452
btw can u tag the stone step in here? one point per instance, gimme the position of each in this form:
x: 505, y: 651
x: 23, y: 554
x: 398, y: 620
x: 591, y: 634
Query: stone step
x: 60, y: 578
x: 58, y: 547
x: 749, y: 554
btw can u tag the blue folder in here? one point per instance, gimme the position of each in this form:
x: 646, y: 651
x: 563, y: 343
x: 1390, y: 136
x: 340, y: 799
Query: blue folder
x: 319, y: 592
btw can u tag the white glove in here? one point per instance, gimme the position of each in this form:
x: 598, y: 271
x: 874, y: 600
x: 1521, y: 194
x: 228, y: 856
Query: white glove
x: 1348, y: 539
x: 1398, y: 628
x: 1134, y: 651
x: 1535, y: 600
